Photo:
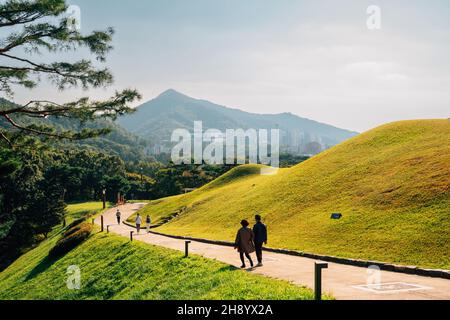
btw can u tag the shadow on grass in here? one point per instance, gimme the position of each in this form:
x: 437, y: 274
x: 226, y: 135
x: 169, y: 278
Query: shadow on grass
x: 228, y: 268
x: 42, y: 266
x: 47, y: 262
x: 8, y: 258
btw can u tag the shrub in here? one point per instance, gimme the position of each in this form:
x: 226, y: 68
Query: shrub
x: 75, y: 223
x: 70, y: 239
x: 74, y: 229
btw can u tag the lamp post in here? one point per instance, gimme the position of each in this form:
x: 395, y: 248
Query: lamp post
x: 63, y: 197
x: 104, y: 198
x: 186, y: 249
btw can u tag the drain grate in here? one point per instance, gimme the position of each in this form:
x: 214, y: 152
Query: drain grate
x: 392, y: 287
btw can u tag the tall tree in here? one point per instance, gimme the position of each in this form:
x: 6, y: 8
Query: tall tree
x: 34, y: 27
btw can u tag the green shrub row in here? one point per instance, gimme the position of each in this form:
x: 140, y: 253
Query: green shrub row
x: 75, y: 223
x: 71, y: 238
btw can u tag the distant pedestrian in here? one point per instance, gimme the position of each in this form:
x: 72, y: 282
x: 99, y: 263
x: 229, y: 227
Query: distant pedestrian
x: 148, y: 221
x: 260, y: 232
x: 138, y: 222
x: 118, y: 215
x: 244, y: 243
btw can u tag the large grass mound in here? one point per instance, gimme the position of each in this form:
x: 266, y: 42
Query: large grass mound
x: 113, y: 268
x: 391, y: 184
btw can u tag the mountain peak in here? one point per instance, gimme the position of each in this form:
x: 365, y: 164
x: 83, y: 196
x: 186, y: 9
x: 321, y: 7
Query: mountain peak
x: 171, y: 93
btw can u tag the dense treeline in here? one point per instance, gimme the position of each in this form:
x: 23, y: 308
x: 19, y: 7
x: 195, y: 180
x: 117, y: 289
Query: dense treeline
x: 30, y: 202
x: 35, y: 186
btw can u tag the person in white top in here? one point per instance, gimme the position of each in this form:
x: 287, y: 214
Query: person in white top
x: 138, y: 222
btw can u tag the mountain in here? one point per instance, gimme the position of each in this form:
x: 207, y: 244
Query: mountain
x: 391, y: 184
x: 119, y: 142
x: 157, y: 118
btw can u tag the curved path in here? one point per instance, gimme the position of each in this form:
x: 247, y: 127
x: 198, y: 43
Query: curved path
x: 342, y: 281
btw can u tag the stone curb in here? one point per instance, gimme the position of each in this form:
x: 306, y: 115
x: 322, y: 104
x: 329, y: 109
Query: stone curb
x: 435, y: 273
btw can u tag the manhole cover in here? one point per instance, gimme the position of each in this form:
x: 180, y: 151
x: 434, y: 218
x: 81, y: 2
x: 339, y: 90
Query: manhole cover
x: 391, y: 287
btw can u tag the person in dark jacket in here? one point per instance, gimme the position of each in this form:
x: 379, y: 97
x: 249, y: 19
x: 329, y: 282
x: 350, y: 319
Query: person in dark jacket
x: 244, y: 243
x: 260, y: 232
x: 148, y: 222
x: 118, y: 214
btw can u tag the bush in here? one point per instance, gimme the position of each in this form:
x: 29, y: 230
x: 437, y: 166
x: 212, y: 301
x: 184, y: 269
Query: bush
x: 75, y: 223
x: 74, y: 228
x: 71, y: 238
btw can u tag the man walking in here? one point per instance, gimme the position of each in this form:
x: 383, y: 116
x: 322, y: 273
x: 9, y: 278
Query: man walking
x: 118, y: 214
x: 260, y: 231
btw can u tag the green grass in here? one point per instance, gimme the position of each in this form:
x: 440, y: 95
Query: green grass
x: 113, y: 268
x: 138, y: 201
x: 391, y: 184
x: 74, y: 212
x: 81, y: 210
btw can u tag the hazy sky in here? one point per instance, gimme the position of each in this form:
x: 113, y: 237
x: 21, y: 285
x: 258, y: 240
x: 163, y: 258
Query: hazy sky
x: 316, y: 59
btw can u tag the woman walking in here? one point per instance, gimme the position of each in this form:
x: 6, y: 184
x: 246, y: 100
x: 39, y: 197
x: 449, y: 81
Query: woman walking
x: 138, y: 222
x: 244, y: 243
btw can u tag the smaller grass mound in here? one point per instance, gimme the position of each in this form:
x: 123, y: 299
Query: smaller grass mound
x: 71, y: 239
x: 164, y: 210
x: 234, y: 175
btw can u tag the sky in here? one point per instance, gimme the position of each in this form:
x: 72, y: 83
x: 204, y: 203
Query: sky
x: 316, y: 59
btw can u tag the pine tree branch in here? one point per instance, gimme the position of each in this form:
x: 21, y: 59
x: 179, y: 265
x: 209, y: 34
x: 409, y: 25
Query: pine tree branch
x: 39, y: 67
x: 31, y: 130
x: 25, y: 18
x: 43, y: 27
x: 4, y: 137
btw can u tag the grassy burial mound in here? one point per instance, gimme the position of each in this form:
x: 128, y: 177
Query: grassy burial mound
x: 113, y: 268
x: 391, y: 184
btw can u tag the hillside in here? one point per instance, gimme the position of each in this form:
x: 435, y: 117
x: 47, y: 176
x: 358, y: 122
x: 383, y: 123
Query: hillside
x: 113, y: 268
x: 156, y: 120
x: 118, y: 142
x: 391, y: 184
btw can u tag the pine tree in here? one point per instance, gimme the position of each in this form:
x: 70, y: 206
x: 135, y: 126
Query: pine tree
x: 36, y: 27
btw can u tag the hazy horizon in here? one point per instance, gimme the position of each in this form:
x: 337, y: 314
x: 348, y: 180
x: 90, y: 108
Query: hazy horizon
x: 315, y: 59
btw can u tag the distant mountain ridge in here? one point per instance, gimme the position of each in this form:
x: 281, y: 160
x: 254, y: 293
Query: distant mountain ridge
x: 118, y: 142
x: 156, y: 119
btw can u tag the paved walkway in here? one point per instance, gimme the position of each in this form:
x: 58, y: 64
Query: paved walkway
x: 342, y: 281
